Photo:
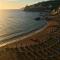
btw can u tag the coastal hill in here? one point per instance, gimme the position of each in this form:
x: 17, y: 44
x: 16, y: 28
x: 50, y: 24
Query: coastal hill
x: 43, y: 6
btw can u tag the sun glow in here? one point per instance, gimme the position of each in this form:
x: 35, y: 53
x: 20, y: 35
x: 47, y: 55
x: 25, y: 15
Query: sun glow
x: 16, y: 4
x: 11, y: 5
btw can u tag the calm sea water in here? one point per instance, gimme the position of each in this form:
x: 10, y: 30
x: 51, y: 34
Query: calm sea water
x: 16, y: 22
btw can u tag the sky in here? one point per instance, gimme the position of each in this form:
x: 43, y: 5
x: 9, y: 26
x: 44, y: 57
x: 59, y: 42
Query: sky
x: 16, y: 4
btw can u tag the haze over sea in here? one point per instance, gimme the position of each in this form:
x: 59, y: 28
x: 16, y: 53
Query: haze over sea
x: 17, y: 22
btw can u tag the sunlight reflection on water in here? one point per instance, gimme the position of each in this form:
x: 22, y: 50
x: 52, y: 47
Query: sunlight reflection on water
x: 15, y: 22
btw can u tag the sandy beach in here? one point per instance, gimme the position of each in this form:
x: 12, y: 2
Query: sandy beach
x: 24, y: 37
x: 33, y: 38
x: 30, y: 30
x: 41, y: 45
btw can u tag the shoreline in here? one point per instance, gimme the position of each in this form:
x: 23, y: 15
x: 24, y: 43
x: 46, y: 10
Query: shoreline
x: 36, y: 38
x: 22, y: 37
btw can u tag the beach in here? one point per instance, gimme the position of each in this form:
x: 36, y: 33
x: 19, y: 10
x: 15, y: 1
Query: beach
x: 24, y: 37
x: 30, y: 30
x: 36, y: 37
x: 43, y: 44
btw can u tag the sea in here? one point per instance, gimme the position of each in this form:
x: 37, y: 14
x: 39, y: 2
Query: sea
x: 18, y: 23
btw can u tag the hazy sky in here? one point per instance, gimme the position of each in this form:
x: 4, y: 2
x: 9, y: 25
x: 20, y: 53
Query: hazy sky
x: 15, y: 4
